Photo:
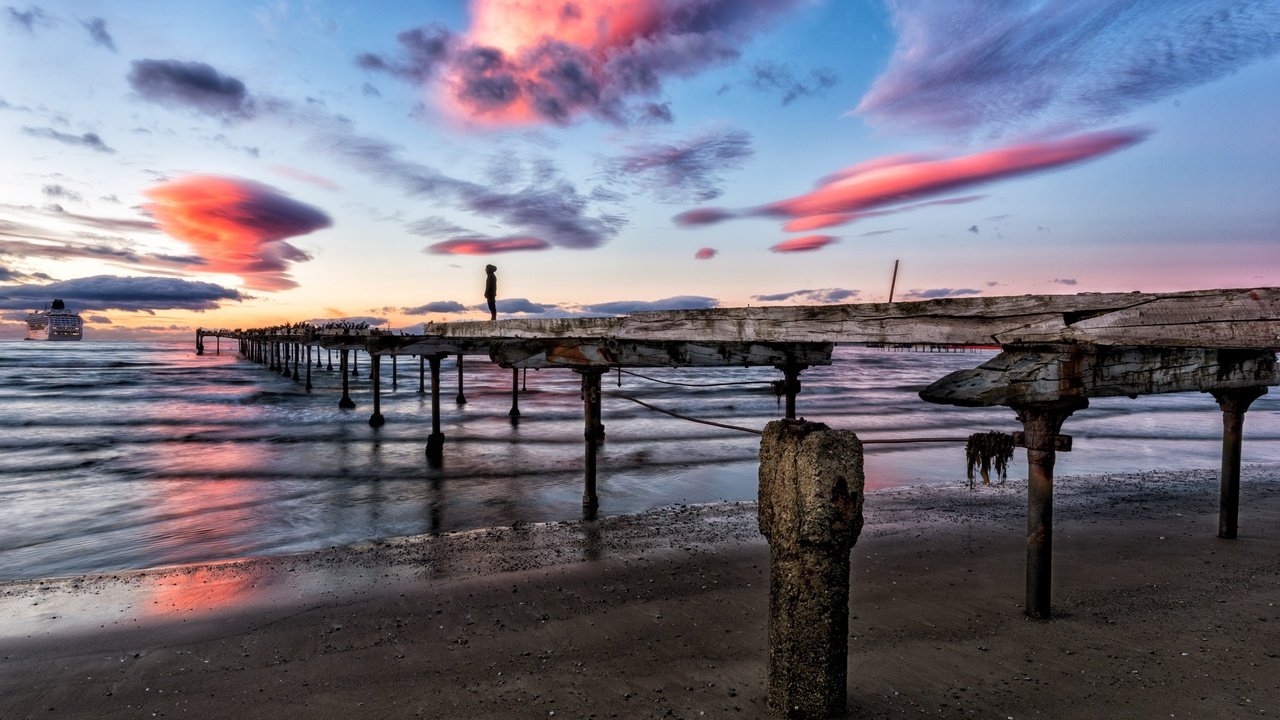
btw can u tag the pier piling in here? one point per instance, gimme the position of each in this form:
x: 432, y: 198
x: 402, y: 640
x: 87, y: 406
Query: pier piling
x: 435, y: 441
x: 515, y: 393
x: 1040, y: 425
x: 346, y: 403
x: 462, y: 398
x: 1234, y: 403
x: 422, y: 374
x: 591, y: 431
x: 375, y: 362
x: 811, y: 495
x: 309, y: 386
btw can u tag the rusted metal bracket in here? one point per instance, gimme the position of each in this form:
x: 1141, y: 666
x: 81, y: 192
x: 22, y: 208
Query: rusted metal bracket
x: 1061, y: 443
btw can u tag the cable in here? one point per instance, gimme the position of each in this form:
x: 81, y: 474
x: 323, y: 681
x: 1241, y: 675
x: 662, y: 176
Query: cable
x: 695, y: 384
x: 870, y: 441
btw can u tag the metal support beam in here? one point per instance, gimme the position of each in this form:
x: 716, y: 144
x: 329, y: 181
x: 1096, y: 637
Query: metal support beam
x: 346, y: 402
x: 1234, y: 403
x: 462, y: 398
x: 375, y: 363
x: 435, y: 441
x: 1040, y: 425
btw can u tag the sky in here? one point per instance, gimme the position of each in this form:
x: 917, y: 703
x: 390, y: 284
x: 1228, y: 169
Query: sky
x: 169, y: 165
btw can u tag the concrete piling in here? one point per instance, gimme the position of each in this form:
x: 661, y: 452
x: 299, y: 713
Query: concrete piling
x: 435, y: 441
x: 375, y: 363
x: 811, y: 493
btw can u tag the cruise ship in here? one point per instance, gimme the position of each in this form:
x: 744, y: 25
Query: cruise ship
x: 54, y: 323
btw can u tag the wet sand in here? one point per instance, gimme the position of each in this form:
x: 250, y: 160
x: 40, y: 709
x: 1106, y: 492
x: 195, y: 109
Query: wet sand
x: 663, y: 615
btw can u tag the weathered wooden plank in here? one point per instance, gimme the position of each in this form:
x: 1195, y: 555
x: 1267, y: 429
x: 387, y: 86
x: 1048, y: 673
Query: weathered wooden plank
x: 1049, y: 374
x: 1248, y: 318
x: 538, y: 353
x: 425, y: 345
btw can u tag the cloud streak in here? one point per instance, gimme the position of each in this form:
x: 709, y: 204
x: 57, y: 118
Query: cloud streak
x: 905, y: 180
x: 89, y: 139
x: 995, y: 67
x: 549, y: 61
x: 112, y: 292
x: 238, y: 226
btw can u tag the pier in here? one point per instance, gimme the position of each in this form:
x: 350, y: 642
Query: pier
x: 1056, y: 352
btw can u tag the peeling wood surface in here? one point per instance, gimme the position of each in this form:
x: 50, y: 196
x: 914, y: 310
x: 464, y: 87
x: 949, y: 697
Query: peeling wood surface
x: 1247, y: 319
x: 1051, y: 374
x: 539, y: 353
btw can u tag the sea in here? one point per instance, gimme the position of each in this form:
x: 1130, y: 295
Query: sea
x: 120, y: 455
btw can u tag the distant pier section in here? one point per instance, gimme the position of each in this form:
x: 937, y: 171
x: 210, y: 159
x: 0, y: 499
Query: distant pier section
x: 1057, y: 352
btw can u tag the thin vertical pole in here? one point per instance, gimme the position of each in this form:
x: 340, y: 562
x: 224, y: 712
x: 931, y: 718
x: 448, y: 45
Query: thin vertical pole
x: 395, y: 380
x: 422, y: 374
x: 355, y: 363
x: 297, y: 353
x: 894, y: 282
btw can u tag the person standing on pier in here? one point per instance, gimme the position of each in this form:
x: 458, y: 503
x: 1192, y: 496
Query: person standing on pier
x: 491, y: 290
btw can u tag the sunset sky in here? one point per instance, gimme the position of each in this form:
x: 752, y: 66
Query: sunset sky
x: 170, y: 165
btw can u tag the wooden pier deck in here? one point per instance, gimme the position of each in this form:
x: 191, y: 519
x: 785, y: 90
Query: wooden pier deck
x: 1057, y: 352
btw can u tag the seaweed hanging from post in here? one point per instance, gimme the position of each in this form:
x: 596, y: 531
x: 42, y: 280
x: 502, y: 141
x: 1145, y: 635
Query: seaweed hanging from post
x: 986, y: 450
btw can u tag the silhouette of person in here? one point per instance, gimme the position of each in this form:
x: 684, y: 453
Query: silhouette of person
x: 491, y: 290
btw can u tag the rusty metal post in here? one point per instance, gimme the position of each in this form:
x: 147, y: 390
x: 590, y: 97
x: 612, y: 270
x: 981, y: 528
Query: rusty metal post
x: 462, y: 398
x: 309, y: 385
x: 1040, y: 425
x: 811, y: 495
x: 515, y: 393
x: 591, y: 420
x: 1234, y: 403
x: 375, y: 377
x: 346, y: 402
x: 435, y: 441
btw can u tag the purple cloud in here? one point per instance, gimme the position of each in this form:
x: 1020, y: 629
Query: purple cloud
x: 194, y: 85
x: 113, y: 292
x: 823, y: 296
x: 974, y: 65
x: 626, y: 307
x: 89, y: 139
x: 97, y: 28
x: 688, y: 171
x: 438, y: 306
x: 778, y: 78
x: 938, y: 293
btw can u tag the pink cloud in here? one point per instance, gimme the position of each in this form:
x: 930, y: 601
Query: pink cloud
x: 485, y: 246
x: 533, y: 61
x: 804, y: 243
x: 237, y: 226
x: 705, y: 254
x: 899, y: 183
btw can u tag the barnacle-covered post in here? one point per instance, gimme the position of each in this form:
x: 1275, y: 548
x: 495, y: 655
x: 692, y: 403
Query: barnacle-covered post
x: 811, y: 485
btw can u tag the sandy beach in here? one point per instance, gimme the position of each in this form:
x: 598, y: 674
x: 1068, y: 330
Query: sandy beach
x: 663, y: 615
